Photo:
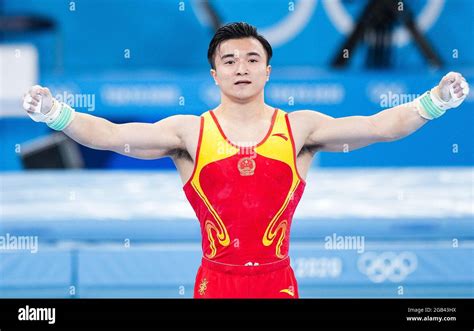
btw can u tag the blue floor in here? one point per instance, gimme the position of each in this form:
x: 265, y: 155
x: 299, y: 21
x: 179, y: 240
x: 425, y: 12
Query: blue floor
x: 406, y: 232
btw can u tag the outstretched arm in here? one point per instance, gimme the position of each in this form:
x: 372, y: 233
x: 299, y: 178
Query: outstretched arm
x: 349, y: 133
x: 139, y: 140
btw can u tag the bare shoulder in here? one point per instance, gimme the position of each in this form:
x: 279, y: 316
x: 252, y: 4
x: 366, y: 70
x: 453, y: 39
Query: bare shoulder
x: 302, y: 116
x: 182, y: 120
x: 179, y: 125
x: 303, y: 124
x: 187, y: 123
x: 306, y: 121
x: 187, y: 129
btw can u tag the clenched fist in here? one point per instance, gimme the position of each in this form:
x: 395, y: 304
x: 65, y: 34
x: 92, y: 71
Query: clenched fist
x: 449, y: 93
x: 453, y: 89
x: 42, y: 107
x: 38, y: 102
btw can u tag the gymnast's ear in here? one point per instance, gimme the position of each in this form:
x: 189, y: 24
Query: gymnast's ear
x: 214, y: 75
x: 269, y: 70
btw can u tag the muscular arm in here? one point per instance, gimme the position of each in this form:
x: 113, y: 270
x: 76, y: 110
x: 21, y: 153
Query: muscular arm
x: 349, y: 133
x: 345, y: 134
x: 139, y: 140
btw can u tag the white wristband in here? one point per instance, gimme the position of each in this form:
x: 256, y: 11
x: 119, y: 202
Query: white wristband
x: 427, y: 107
x: 60, y: 116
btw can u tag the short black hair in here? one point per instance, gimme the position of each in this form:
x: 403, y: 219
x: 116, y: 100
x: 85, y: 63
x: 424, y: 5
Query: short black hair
x: 236, y: 30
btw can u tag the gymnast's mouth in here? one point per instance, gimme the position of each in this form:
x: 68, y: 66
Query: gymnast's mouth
x: 242, y: 82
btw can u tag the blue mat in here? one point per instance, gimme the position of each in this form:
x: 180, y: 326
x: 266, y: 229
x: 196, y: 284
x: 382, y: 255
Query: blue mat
x: 132, y: 234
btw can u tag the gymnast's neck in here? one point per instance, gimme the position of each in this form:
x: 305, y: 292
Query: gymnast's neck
x: 246, y: 110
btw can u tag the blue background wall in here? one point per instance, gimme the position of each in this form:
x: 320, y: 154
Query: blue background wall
x: 92, y: 37
x: 86, y: 55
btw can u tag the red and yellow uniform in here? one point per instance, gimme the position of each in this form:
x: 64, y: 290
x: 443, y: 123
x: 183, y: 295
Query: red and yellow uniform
x: 245, y: 198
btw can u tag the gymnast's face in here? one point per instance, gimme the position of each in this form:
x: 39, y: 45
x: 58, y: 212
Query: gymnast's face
x: 241, y: 69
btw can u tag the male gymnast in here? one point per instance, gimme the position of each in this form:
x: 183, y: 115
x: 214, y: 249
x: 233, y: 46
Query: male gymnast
x: 244, y: 163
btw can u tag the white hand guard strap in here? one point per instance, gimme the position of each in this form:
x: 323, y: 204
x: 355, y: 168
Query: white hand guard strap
x: 62, y: 116
x: 430, y: 106
x: 36, y: 115
x: 58, y: 118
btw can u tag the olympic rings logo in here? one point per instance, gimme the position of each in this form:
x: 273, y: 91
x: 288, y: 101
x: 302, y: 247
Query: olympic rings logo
x: 387, y: 266
x: 297, y: 19
x: 284, y: 29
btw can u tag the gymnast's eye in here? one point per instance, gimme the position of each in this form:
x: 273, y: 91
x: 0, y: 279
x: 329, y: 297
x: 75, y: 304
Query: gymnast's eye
x: 229, y: 62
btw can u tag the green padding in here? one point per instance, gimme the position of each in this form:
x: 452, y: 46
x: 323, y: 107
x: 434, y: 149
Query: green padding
x: 63, y: 119
x: 432, y: 110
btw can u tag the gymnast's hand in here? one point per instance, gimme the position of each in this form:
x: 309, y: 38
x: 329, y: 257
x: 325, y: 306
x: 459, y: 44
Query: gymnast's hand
x: 452, y: 89
x: 38, y: 103
x: 139, y: 140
